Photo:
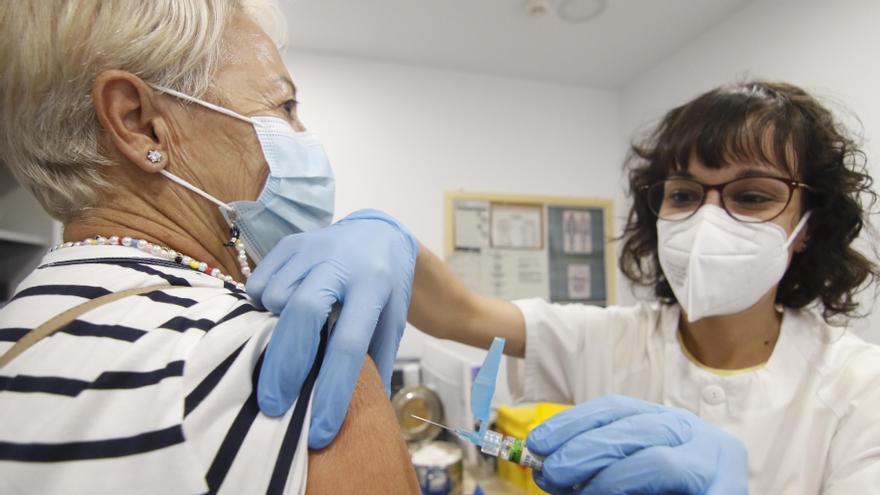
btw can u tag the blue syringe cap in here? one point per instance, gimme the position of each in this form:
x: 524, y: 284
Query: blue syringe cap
x: 484, y: 385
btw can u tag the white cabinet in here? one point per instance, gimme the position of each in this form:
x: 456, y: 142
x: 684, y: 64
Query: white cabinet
x: 26, y: 232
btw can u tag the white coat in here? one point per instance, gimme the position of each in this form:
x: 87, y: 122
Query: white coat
x: 810, y: 417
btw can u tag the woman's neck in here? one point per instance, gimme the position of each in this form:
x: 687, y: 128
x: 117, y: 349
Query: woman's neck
x: 198, y: 233
x: 737, y: 341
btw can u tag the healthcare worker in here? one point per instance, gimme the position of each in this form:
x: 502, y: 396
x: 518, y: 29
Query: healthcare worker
x: 745, y: 204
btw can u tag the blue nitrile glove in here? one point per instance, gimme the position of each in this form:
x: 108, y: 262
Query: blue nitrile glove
x: 623, y: 445
x: 365, y: 261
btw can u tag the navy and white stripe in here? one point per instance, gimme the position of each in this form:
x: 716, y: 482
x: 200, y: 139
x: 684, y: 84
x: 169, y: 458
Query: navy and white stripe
x: 152, y: 393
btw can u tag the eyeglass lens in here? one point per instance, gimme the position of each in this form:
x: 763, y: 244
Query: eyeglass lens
x: 751, y: 199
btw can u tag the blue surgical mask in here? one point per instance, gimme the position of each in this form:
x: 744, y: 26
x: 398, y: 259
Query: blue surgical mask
x: 298, y: 195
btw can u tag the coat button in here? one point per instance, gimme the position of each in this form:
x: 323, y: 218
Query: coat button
x: 714, y: 395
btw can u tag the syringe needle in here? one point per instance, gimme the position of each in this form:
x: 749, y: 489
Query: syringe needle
x: 472, y: 437
x: 433, y: 423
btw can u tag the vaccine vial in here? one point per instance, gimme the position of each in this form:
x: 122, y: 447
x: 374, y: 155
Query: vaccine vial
x: 510, y: 449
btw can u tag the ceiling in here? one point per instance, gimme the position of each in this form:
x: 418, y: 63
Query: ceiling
x: 498, y: 37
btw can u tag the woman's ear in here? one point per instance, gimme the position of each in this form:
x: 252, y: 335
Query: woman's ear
x: 124, y: 107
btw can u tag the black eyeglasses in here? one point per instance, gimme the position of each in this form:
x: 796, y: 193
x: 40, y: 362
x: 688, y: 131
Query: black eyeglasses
x: 747, y: 199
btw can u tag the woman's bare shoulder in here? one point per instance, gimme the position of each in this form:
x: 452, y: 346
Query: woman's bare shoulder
x: 369, y: 454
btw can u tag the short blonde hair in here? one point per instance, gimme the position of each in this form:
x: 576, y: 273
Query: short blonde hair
x: 51, y: 51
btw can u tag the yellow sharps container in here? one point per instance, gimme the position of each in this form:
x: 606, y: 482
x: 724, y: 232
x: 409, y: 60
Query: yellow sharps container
x: 518, y: 421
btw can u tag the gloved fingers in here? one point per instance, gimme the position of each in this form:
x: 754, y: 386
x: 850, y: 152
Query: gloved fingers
x: 287, y: 280
x: 343, y: 360
x: 549, y: 487
x: 279, y: 256
x: 649, y: 471
x: 333, y: 391
x: 286, y: 364
x: 587, y: 454
x: 556, y: 431
x: 386, y: 338
x: 294, y: 342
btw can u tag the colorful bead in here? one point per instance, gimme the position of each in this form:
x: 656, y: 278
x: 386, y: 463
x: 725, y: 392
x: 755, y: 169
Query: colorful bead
x: 168, y: 254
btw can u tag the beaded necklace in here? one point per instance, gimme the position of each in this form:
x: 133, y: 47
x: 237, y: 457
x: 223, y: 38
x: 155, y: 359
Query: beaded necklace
x: 170, y: 255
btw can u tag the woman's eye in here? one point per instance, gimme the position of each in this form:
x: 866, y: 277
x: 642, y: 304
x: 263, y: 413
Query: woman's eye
x: 681, y: 197
x: 752, y: 198
x: 289, y: 106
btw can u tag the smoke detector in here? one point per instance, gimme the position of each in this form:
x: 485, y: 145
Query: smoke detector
x: 567, y: 10
x: 538, y: 8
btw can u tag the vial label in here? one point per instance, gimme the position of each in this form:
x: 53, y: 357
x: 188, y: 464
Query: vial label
x: 516, y: 449
x: 491, y: 443
x: 530, y: 460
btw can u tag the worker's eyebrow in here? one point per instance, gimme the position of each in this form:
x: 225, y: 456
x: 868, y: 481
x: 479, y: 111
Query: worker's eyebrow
x: 759, y: 172
x: 746, y: 172
x: 681, y: 174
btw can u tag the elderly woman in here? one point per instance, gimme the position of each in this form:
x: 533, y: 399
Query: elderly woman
x: 130, y: 355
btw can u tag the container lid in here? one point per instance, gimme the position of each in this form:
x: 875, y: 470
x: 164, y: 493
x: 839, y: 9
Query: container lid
x: 421, y: 401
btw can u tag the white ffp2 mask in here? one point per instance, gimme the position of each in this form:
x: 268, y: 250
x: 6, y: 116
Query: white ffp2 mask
x: 717, y: 265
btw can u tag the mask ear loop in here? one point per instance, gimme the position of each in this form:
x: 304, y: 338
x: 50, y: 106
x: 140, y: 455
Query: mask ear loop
x: 196, y: 190
x: 797, y: 230
x: 234, y: 233
x: 210, y: 106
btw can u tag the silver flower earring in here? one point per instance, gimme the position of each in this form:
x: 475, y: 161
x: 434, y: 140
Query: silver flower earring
x: 154, y: 156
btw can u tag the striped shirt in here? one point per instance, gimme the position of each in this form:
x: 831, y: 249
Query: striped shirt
x: 152, y: 393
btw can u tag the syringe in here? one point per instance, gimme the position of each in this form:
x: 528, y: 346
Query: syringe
x: 497, y: 445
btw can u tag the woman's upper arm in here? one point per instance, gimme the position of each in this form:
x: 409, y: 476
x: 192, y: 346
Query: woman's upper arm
x: 369, y: 454
x: 443, y: 307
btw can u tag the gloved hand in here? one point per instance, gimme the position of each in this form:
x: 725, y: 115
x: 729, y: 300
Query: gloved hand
x: 623, y: 445
x: 365, y: 261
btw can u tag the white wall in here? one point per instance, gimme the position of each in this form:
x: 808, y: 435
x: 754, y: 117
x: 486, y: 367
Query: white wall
x: 829, y: 48
x: 399, y: 136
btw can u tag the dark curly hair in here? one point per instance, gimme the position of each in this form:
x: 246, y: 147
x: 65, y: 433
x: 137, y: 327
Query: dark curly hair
x: 775, y: 124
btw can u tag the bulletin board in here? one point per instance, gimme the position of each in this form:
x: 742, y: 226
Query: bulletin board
x: 518, y: 246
